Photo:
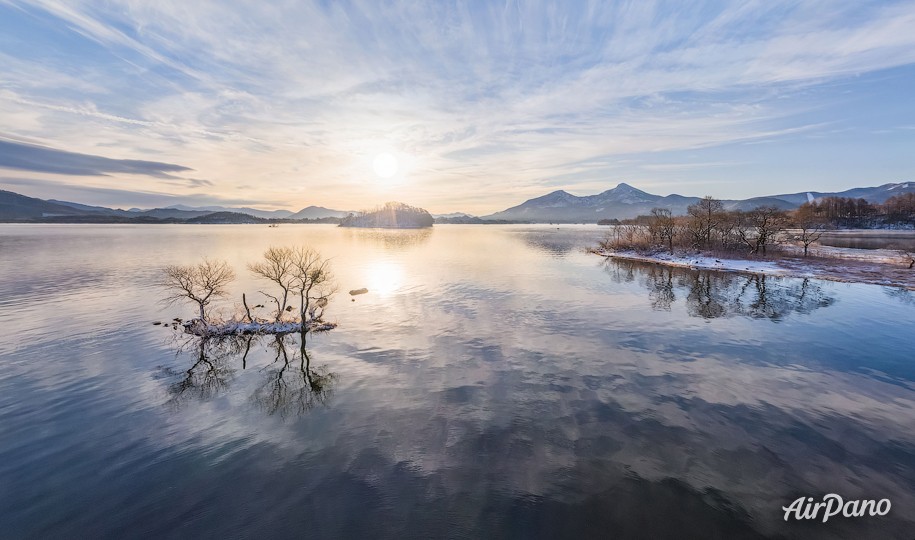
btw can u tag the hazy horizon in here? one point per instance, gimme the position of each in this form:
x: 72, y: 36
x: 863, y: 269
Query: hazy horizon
x: 178, y: 204
x: 451, y: 107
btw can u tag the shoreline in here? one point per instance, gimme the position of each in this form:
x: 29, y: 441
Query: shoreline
x: 844, y: 265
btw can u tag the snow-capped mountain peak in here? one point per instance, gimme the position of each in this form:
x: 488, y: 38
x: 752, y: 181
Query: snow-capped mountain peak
x: 624, y: 193
x: 558, y: 198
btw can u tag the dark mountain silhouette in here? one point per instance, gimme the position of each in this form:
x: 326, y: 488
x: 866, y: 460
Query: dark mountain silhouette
x: 625, y: 201
x: 14, y: 206
x: 621, y: 202
x: 317, y: 212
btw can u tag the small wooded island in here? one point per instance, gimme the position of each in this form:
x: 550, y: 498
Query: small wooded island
x: 393, y: 215
x: 296, y: 273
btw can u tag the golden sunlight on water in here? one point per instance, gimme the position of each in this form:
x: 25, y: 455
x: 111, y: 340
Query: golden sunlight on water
x: 384, y: 277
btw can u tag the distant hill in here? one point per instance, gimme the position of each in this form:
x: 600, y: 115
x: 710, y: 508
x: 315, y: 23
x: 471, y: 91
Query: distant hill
x: 266, y: 214
x: 621, y: 202
x: 318, y: 212
x: 17, y: 207
x: 14, y: 206
x: 171, y: 213
x: 225, y: 218
x: 625, y: 201
x: 877, y: 194
x: 393, y: 215
x: 96, y: 209
x: 459, y: 220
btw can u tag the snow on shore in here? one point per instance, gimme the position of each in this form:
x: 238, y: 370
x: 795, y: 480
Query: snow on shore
x: 700, y: 262
x: 201, y: 328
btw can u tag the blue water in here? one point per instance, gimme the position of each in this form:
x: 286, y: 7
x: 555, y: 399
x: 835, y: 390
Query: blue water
x: 496, y: 381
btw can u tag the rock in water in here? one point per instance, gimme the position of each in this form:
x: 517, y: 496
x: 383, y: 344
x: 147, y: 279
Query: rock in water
x: 354, y: 292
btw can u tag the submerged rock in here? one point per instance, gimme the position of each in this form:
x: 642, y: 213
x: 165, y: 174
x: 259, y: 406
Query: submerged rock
x: 354, y: 292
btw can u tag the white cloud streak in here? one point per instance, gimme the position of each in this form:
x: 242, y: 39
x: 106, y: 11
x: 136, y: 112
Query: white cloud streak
x: 295, y: 99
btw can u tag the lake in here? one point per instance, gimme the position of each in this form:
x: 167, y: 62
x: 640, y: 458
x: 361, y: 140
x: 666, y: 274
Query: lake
x: 496, y: 381
x: 870, y: 239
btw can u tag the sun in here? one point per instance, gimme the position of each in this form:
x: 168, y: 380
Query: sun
x: 385, y: 165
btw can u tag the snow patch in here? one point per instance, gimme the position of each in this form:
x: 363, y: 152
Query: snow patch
x: 702, y: 262
x: 202, y: 328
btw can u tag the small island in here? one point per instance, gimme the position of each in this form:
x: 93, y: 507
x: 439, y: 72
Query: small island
x: 297, y: 273
x: 393, y: 215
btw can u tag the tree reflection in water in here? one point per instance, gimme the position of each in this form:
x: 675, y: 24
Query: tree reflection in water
x: 905, y: 296
x: 290, y: 386
x: 711, y: 294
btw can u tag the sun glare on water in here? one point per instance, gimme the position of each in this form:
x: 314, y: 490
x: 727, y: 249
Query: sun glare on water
x: 384, y: 278
x: 385, y: 165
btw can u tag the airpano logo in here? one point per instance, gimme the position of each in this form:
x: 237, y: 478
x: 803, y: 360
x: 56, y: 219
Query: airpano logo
x: 833, y: 505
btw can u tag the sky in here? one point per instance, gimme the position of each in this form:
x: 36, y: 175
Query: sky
x: 481, y: 105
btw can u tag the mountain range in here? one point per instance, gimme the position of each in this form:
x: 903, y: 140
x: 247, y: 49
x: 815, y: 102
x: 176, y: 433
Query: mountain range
x: 309, y: 212
x: 625, y: 201
x: 621, y: 202
x: 16, y: 207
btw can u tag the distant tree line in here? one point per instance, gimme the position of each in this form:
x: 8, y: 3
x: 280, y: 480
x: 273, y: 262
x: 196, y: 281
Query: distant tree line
x: 859, y: 213
x: 707, y: 225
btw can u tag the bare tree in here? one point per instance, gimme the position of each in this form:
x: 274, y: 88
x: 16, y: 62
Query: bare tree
x: 277, y: 267
x: 627, y: 237
x: 200, y: 283
x: 727, y: 228
x: 704, y: 218
x: 662, y: 226
x: 810, y: 225
x: 743, y: 228
x: 313, y: 281
x: 760, y: 227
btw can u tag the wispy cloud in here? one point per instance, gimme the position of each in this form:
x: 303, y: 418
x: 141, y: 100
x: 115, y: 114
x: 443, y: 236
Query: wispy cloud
x: 501, y: 100
x: 28, y: 157
x: 114, y: 197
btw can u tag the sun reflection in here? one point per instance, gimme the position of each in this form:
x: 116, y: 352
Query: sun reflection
x: 384, y: 278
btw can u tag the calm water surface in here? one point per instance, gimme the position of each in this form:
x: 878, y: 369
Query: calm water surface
x: 870, y: 239
x: 495, y: 382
